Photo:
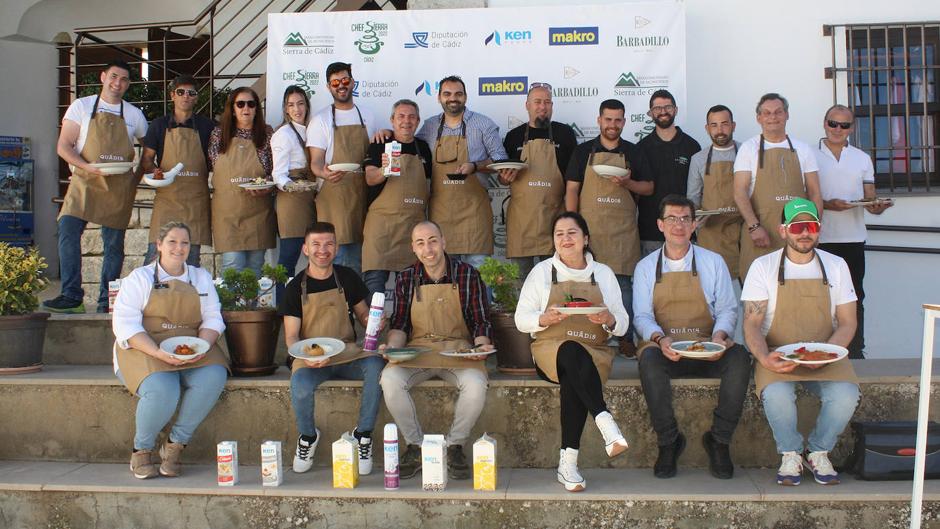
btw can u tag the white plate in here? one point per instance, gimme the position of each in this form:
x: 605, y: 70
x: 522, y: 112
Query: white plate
x: 707, y: 213
x: 581, y: 310
x: 713, y: 349
x: 609, y: 170
x: 861, y: 203
x: 168, y: 177
x: 305, y: 185
x: 496, y: 166
x: 198, y: 344
x: 112, y: 168
x: 331, y: 347
x: 812, y: 346
x: 266, y: 185
x: 346, y: 167
x: 455, y: 354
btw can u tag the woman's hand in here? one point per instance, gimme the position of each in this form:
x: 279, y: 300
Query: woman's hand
x: 603, y: 317
x: 551, y: 317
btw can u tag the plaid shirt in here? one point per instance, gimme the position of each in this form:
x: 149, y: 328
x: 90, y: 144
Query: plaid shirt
x: 473, y: 298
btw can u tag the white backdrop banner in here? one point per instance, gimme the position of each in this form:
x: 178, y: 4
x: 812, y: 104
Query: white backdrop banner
x: 587, y: 53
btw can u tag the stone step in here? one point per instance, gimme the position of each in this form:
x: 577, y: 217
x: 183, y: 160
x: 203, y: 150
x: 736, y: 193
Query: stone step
x: 77, y: 495
x: 82, y: 413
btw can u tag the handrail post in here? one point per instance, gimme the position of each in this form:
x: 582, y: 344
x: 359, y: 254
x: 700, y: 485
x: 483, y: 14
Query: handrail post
x: 931, y: 312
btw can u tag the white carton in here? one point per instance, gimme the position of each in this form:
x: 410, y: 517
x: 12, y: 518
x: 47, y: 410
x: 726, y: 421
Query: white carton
x: 434, y: 463
x: 345, y: 462
x: 484, y: 463
x: 272, y: 470
x: 393, y: 150
x: 113, y: 288
x: 266, y: 298
x: 227, y: 461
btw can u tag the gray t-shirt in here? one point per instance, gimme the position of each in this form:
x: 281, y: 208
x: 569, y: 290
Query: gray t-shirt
x: 697, y: 170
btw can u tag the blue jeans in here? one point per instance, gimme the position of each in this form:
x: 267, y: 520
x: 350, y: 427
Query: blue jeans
x: 70, y: 258
x: 192, y: 260
x: 304, y: 383
x: 350, y: 256
x: 626, y: 293
x: 253, y: 259
x: 838, y: 402
x: 159, y: 395
x: 288, y: 254
x: 375, y: 281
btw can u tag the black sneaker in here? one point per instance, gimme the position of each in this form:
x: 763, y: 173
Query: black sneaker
x: 457, y: 467
x: 64, y: 305
x: 668, y: 459
x: 410, y: 462
x: 719, y: 457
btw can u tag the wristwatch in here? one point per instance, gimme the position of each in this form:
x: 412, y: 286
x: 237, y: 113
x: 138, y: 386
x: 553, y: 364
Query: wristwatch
x: 753, y: 227
x: 607, y: 329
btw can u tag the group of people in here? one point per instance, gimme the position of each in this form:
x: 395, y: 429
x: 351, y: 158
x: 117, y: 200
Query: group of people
x: 764, y: 199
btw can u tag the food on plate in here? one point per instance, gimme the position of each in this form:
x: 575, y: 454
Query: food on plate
x: 571, y: 302
x: 811, y: 355
x: 259, y: 181
x: 314, y: 350
x: 158, y: 176
x: 184, y: 350
x: 697, y: 347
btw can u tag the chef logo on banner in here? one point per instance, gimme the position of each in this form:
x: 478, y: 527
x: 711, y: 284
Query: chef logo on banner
x: 369, y: 42
x: 305, y: 79
x: 297, y: 43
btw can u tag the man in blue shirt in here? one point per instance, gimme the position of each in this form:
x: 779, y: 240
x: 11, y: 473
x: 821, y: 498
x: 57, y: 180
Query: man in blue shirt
x: 684, y: 292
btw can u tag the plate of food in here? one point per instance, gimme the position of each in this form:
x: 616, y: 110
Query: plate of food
x: 707, y: 213
x: 813, y: 353
x: 316, y: 348
x: 257, y: 183
x: 608, y: 171
x: 403, y: 354
x: 870, y: 201
x: 697, y: 349
x: 575, y: 305
x: 165, y: 179
x: 112, y: 168
x: 184, y: 347
x: 344, y: 167
x: 303, y: 185
x: 507, y: 164
x: 465, y: 352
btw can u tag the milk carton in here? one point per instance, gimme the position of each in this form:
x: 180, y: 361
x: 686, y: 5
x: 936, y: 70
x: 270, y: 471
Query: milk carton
x: 393, y: 150
x: 272, y: 470
x: 345, y: 462
x: 484, y: 463
x: 113, y: 288
x: 434, y: 463
x: 227, y: 461
x: 266, y: 298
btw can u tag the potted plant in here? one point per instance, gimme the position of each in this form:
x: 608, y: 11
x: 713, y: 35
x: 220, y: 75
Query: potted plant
x: 250, y: 329
x: 23, y: 329
x: 513, y: 348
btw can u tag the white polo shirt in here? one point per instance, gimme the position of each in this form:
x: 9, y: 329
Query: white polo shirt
x: 844, y: 179
x: 747, y: 158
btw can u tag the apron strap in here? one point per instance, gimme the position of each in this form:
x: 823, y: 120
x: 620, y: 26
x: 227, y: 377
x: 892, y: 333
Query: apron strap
x: 463, y: 129
x: 760, y: 151
x: 303, y: 286
x: 708, y: 159
x: 662, y: 260
x: 822, y: 268
x: 555, y: 277
x: 301, y: 139
x: 333, y: 114
x: 94, y: 108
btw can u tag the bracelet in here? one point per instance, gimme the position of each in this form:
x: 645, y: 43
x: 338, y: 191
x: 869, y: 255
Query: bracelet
x: 475, y: 167
x: 657, y: 339
x: 752, y: 227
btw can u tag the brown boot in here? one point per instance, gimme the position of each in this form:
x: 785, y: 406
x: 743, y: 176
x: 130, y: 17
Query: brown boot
x: 142, y: 466
x: 170, y: 453
x: 627, y: 348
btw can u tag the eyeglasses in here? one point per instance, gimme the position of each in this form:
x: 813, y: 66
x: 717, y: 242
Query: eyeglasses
x: 342, y: 81
x: 776, y: 113
x: 186, y: 92
x: 533, y: 86
x: 797, y: 228
x: 665, y: 108
x: 844, y: 125
x: 672, y: 220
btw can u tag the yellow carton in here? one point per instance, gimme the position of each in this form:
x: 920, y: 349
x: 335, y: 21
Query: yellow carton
x: 484, y: 463
x: 345, y: 462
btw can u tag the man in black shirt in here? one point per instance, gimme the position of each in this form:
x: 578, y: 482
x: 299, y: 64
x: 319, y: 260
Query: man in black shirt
x: 669, y: 151
x: 537, y: 192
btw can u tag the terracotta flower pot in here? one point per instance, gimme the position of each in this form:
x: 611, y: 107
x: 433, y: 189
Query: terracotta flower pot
x: 513, y: 348
x: 251, y: 336
x: 21, y: 346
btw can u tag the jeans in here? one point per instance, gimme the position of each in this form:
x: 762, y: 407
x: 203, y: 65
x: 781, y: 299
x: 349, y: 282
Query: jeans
x: 854, y: 255
x: 838, y: 401
x: 240, y: 260
x: 526, y: 264
x: 350, y: 256
x: 473, y: 259
x: 375, y: 281
x: 626, y: 293
x: 656, y: 372
x: 159, y: 395
x: 192, y: 260
x: 470, y: 382
x: 70, y: 258
x: 304, y: 384
x: 288, y: 255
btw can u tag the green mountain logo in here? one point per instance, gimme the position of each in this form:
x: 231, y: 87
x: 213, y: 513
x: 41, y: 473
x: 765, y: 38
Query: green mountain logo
x: 627, y: 80
x: 295, y: 39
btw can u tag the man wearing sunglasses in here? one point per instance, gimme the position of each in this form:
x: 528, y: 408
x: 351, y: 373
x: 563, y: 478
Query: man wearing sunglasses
x: 801, y: 294
x: 846, y: 175
x: 180, y: 137
x: 684, y: 292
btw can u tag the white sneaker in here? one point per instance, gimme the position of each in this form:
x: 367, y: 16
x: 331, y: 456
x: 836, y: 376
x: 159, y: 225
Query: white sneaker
x: 822, y: 469
x: 303, y: 457
x: 568, y: 474
x: 365, y: 456
x: 614, y: 442
x: 790, y: 472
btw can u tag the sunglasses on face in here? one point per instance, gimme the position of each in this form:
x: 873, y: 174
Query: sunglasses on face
x: 241, y: 104
x: 797, y: 228
x: 533, y: 86
x: 343, y: 81
x: 186, y: 92
x: 844, y: 125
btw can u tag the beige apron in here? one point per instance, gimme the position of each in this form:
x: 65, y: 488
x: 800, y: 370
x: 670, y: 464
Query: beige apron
x: 240, y: 222
x: 106, y: 200
x: 343, y: 203
x: 296, y: 210
x: 172, y: 310
x: 576, y: 328
x: 802, y: 314
x: 326, y: 314
x: 679, y: 305
x: 536, y: 198
x: 402, y: 203
x: 721, y: 233
x: 779, y: 179
x: 460, y: 207
x: 610, y: 213
x: 187, y: 198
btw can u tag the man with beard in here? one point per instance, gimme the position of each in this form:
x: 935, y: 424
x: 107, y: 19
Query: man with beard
x: 608, y: 204
x: 801, y: 294
x: 669, y: 151
x: 711, y: 187
x: 462, y: 144
x: 538, y: 192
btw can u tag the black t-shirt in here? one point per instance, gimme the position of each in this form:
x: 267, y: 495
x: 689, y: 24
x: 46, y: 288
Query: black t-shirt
x: 639, y: 166
x: 562, y: 135
x: 374, y: 154
x: 353, y: 289
x: 158, y: 127
x: 670, y: 163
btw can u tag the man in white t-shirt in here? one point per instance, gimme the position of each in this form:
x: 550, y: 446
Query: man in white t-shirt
x: 800, y: 294
x: 846, y: 174
x: 97, y: 129
x: 769, y: 170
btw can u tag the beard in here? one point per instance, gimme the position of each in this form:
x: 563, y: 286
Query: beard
x: 453, y: 107
x: 795, y: 244
x: 722, y: 140
x: 542, y: 122
x: 337, y: 97
x: 665, y: 121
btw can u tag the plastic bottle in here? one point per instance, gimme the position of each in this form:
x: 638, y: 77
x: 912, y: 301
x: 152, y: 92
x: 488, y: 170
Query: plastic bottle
x: 391, y: 456
x: 371, y: 342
